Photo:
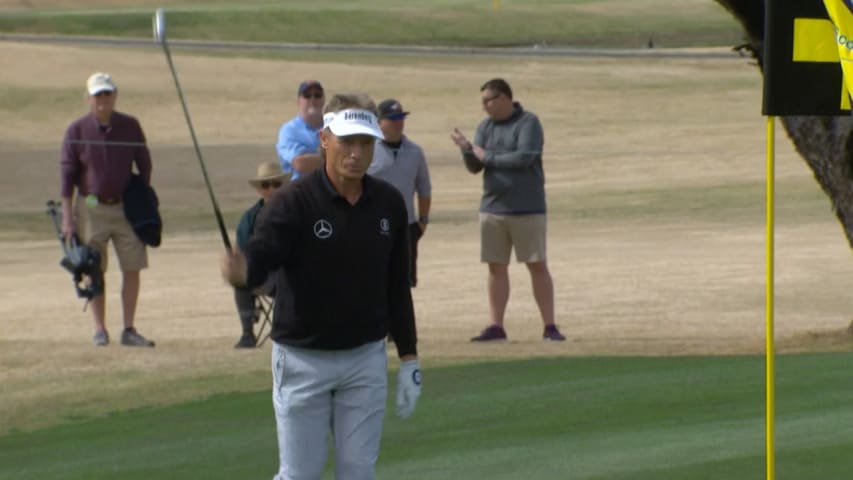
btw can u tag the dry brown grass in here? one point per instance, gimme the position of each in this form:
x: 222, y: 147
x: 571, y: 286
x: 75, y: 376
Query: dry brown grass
x: 650, y: 284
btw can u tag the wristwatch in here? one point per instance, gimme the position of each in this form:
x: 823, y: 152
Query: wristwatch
x: 424, y: 219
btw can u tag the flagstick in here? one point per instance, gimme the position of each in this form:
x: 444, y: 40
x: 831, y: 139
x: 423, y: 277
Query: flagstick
x: 771, y: 142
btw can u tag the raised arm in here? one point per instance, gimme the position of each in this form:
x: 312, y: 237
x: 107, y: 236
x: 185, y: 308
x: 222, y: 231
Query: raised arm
x: 272, y: 241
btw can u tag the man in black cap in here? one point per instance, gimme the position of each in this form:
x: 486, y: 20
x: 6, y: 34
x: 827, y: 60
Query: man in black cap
x: 401, y: 162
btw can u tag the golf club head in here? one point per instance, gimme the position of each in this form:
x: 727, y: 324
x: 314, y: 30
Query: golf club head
x: 160, y: 26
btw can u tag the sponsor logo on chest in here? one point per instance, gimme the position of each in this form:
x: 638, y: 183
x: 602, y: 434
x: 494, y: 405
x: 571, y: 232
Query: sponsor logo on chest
x: 323, y: 228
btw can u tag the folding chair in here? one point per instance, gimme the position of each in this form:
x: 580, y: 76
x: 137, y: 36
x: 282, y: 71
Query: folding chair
x: 264, y: 305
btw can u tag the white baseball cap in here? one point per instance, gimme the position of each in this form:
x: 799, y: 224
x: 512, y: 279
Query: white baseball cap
x: 100, y: 82
x: 353, y: 121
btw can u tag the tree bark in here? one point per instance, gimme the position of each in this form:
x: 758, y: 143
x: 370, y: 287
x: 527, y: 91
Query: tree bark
x: 824, y: 142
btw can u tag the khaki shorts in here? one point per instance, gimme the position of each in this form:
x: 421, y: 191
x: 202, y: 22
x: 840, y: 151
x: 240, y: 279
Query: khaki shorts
x: 500, y: 233
x: 101, y: 223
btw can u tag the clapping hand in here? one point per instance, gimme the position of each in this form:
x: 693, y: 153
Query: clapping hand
x: 460, y: 140
x: 466, y: 146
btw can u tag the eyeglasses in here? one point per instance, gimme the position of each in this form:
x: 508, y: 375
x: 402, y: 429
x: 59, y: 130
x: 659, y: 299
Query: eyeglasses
x: 315, y: 95
x: 103, y: 93
x: 266, y: 185
x: 486, y: 100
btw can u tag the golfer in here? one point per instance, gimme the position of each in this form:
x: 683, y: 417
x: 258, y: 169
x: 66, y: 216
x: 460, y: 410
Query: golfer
x: 337, y: 241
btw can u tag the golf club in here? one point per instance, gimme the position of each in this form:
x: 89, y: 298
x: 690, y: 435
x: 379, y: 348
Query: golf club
x: 160, y: 36
x: 82, y: 261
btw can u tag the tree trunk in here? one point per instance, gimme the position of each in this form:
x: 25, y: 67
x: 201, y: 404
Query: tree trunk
x: 824, y: 142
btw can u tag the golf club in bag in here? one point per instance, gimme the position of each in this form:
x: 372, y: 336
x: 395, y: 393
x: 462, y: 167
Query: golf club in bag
x: 82, y: 261
x: 160, y: 37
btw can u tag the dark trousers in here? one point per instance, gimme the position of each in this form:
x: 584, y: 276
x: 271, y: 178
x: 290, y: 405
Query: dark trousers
x: 415, y: 234
x: 245, y: 300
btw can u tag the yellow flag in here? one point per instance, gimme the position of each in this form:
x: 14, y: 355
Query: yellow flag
x: 802, y: 75
x: 841, y: 14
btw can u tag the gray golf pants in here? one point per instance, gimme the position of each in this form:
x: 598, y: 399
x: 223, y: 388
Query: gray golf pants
x: 314, y: 390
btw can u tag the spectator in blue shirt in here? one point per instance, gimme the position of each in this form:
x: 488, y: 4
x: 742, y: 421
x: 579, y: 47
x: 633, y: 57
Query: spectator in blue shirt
x: 298, y: 139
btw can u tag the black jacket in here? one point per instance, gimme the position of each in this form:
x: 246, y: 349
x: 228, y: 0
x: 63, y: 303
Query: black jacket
x: 343, y: 270
x: 141, y: 209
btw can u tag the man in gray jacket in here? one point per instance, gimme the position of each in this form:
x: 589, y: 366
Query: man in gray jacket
x: 401, y: 162
x: 507, y: 148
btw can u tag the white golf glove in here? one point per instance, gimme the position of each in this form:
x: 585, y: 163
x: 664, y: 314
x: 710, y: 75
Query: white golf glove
x: 408, y: 387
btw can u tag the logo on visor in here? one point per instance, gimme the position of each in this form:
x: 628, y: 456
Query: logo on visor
x: 358, y: 115
x: 322, y: 229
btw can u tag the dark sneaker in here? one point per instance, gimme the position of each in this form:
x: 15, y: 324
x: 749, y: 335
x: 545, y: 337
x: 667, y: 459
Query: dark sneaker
x: 551, y: 334
x: 492, y: 333
x: 101, y: 338
x: 248, y: 340
x: 131, y: 338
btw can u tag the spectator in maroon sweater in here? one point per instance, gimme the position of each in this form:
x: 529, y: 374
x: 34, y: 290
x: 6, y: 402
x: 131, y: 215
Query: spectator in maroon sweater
x: 98, y: 155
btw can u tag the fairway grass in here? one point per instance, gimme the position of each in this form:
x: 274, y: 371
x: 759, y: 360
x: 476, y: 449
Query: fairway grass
x: 433, y: 22
x: 579, y: 418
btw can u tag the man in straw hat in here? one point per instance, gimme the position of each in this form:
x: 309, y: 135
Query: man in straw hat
x: 337, y: 242
x: 268, y: 179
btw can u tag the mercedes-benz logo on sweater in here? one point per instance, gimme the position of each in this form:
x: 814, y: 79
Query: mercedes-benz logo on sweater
x: 322, y: 229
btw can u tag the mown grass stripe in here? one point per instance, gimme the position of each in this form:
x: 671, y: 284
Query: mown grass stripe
x: 584, y: 418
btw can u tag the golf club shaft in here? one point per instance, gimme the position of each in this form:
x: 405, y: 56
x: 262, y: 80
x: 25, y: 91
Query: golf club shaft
x: 216, y: 211
x: 56, y: 216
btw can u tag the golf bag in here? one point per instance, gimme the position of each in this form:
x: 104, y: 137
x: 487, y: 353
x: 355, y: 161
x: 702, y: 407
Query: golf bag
x: 82, y: 261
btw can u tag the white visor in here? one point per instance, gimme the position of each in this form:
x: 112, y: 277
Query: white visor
x: 352, y: 121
